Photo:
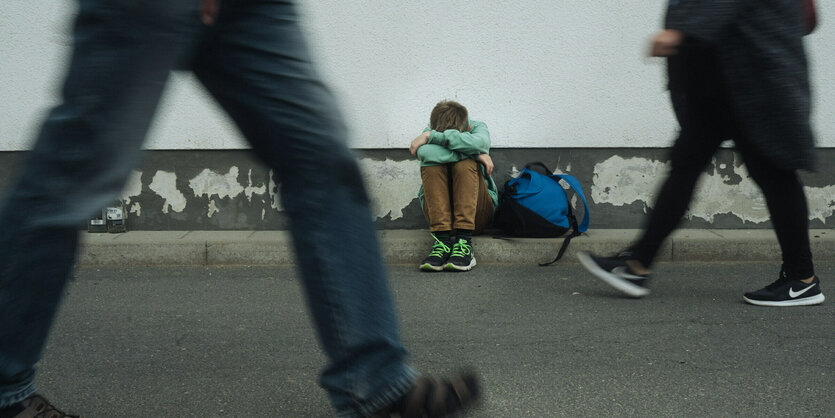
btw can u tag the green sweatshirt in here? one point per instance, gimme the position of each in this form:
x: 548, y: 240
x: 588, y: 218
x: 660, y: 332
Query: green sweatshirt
x: 451, y: 146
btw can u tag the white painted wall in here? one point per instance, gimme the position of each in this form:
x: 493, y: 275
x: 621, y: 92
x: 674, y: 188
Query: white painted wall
x: 540, y: 73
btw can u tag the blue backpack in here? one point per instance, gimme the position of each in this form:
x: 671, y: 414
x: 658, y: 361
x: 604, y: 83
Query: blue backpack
x: 535, y: 205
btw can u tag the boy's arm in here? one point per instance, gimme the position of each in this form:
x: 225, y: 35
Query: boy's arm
x: 475, y: 141
x: 487, y: 162
x: 431, y: 154
x: 419, y: 141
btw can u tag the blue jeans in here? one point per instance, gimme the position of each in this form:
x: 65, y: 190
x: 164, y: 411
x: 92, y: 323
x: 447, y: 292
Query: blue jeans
x: 255, y: 63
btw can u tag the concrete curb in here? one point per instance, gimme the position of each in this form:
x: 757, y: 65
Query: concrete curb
x: 410, y: 246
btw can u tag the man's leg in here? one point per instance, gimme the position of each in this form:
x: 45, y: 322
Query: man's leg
x: 84, y: 153
x: 258, y: 67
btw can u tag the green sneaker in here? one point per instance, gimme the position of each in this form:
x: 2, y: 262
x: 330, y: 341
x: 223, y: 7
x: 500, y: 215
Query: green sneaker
x: 438, y: 257
x: 462, y: 258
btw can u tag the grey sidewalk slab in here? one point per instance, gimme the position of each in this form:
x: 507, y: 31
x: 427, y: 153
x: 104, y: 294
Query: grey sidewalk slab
x: 730, y: 245
x: 257, y: 248
x: 143, y: 248
x: 410, y: 246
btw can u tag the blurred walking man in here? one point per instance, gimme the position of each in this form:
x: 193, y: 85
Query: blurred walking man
x: 251, y: 57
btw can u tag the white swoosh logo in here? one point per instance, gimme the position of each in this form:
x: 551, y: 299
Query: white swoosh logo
x: 622, y: 272
x: 793, y: 294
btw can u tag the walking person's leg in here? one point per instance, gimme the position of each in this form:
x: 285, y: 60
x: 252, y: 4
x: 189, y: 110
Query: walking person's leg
x: 259, y: 69
x: 691, y: 153
x: 702, y: 108
x: 86, y: 149
x: 797, y: 284
x: 629, y: 272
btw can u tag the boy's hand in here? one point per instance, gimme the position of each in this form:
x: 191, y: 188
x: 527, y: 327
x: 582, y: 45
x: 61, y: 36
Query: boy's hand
x: 208, y: 11
x: 418, y: 142
x: 487, y: 161
x: 666, y: 43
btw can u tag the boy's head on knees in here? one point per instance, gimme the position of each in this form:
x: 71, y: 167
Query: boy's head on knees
x: 448, y: 114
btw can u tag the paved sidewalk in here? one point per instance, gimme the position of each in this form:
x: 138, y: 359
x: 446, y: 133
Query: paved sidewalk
x: 409, y: 246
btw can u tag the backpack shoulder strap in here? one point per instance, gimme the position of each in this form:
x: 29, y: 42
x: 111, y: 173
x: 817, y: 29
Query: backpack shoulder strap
x: 566, y: 240
x: 575, y: 185
x: 576, y: 230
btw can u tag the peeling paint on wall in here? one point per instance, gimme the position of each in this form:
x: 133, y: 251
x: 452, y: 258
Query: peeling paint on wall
x: 164, y: 184
x: 275, y: 199
x: 821, y: 202
x: 210, y: 183
x: 393, y: 185
x: 133, y: 187
x: 212, y: 208
x: 618, y: 181
x: 715, y: 196
x: 250, y: 189
x: 619, y: 184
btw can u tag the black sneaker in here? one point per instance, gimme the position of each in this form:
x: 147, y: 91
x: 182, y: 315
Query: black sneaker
x: 787, y: 292
x: 438, y: 257
x: 615, y: 272
x: 462, y: 256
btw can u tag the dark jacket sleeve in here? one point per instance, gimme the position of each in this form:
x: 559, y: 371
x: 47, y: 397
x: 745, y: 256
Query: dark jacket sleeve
x: 704, y: 20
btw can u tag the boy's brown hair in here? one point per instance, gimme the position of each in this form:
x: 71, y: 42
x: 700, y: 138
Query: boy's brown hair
x: 448, y: 114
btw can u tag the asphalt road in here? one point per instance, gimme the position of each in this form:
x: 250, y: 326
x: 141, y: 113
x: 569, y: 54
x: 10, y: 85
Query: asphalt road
x: 548, y: 341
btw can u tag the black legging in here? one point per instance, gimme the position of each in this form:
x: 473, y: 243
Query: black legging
x: 706, y: 120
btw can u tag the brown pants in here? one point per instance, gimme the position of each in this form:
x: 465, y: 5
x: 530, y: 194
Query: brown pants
x: 455, y: 197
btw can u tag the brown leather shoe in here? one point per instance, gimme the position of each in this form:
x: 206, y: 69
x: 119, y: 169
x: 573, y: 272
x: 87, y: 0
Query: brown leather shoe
x: 433, y: 398
x: 36, y: 406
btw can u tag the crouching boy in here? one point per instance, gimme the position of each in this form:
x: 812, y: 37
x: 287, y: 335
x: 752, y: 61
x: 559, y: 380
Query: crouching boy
x: 457, y: 194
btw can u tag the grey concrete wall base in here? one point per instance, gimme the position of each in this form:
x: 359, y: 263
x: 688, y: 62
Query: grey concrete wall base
x: 230, y: 190
x: 410, y: 246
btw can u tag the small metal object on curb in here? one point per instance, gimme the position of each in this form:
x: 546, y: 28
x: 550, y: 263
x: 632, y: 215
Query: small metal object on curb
x: 97, y: 224
x: 115, y: 218
x: 111, y: 219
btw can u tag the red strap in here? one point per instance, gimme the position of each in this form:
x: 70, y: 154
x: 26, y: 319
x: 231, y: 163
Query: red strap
x: 810, y: 15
